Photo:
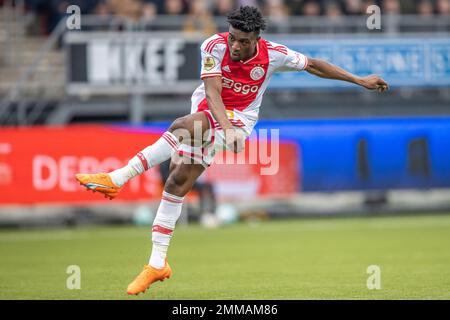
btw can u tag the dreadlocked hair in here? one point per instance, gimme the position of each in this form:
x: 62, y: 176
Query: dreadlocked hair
x: 247, y: 19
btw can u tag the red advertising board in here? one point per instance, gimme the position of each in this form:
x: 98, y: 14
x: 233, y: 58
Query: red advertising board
x: 37, y: 166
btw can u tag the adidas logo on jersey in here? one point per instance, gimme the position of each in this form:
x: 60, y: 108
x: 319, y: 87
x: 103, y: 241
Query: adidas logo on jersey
x: 226, y: 68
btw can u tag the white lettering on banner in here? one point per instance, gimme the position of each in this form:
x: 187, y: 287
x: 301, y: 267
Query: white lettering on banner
x: 6, y: 174
x: 5, y: 148
x: 172, y: 59
x: 149, y: 61
x: 112, y: 64
x: 67, y: 170
x: 43, y: 163
x: 49, y: 173
x: 154, y: 61
x: 134, y: 70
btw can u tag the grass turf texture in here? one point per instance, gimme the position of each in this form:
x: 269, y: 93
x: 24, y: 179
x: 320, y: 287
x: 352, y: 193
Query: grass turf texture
x: 295, y: 259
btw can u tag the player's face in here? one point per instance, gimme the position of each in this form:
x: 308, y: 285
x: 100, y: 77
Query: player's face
x: 242, y: 44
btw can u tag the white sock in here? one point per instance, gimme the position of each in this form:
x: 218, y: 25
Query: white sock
x: 158, y: 256
x: 166, y: 217
x: 151, y: 156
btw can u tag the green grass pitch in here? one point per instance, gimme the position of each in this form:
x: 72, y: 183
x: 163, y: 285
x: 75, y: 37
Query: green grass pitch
x: 289, y: 259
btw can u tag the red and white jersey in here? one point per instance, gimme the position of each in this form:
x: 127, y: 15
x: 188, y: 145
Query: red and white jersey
x: 243, y: 82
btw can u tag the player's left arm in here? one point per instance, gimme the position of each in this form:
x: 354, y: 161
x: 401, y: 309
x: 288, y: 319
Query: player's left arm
x: 324, y: 69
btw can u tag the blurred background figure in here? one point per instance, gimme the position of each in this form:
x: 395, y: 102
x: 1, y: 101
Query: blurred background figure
x: 149, y: 11
x: 425, y: 8
x: 311, y: 8
x: 294, y: 6
x: 222, y: 7
x: 129, y: 9
x: 391, y: 7
x: 175, y: 7
x: 391, y: 13
x: 443, y: 7
x: 353, y: 7
x: 200, y: 19
x: 333, y: 11
x: 366, y: 4
x: 277, y: 15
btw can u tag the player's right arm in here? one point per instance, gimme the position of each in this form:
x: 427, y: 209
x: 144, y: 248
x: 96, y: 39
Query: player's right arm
x: 212, y: 51
x: 213, y: 90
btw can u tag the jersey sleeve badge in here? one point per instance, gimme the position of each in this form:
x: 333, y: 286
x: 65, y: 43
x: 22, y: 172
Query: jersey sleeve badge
x: 208, y: 63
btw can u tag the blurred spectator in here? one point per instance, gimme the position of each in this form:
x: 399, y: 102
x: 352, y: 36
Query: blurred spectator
x: 391, y: 10
x: 443, y: 7
x: 200, y: 19
x: 157, y: 4
x: 365, y: 4
x: 295, y: 6
x: 333, y: 11
x: 103, y: 13
x: 391, y: 7
x: 425, y: 8
x: 353, y: 7
x: 149, y: 11
x: 311, y: 8
x: 102, y: 10
x: 408, y: 6
x: 276, y: 13
x: 223, y: 7
x: 129, y: 9
x: 174, y: 7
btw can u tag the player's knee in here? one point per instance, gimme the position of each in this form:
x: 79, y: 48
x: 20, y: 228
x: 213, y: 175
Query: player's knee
x: 176, y: 182
x: 179, y: 123
x: 180, y: 128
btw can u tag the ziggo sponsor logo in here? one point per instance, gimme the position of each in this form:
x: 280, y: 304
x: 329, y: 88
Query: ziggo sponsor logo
x: 238, y: 87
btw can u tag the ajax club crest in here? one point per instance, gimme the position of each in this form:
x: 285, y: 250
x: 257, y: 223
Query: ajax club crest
x: 257, y: 73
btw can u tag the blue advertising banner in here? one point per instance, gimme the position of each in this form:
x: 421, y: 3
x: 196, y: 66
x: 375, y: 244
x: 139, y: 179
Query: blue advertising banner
x: 401, y: 61
x: 366, y: 154
x: 369, y: 154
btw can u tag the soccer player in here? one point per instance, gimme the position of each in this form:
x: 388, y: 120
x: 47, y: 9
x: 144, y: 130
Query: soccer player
x: 236, y: 68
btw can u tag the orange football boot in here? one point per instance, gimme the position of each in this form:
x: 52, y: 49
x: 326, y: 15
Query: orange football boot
x: 100, y: 182
x: 148, y: 276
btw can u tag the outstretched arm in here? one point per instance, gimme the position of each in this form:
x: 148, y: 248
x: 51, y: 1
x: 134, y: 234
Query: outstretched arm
x: 327, y: 70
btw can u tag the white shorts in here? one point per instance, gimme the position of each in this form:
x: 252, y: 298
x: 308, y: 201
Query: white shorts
x: 216, y: 138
